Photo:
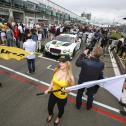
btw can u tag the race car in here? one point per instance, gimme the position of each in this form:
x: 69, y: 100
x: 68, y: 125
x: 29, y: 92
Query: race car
x: 64, y: 44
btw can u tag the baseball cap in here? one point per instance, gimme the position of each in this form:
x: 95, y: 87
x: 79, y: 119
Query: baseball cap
x: 64, y: 58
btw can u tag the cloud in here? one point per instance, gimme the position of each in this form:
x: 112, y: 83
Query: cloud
x: 107, y: 10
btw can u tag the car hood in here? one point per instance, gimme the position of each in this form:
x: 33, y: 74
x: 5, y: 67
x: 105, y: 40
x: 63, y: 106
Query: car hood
x: 57, y: 43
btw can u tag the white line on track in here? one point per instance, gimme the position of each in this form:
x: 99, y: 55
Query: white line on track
x: 114, y: 64
x: 47, y: 84
x: 49, y: 67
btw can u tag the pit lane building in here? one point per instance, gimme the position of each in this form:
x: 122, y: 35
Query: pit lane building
x: 30, y: 12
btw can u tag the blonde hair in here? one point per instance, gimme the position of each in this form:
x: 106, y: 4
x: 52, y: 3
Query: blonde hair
x: 69, y: 73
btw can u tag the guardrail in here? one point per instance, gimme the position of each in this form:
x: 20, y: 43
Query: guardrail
x: 124, y: 34
x: 120, y: 63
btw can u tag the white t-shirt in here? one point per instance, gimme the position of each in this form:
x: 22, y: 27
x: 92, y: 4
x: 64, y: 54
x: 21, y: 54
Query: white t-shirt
x: 39, y: 37
x: 90, y: 35
x: 30, y: 46
x: 20, y: 29
x: 61, y: 29
x: 3, y: 34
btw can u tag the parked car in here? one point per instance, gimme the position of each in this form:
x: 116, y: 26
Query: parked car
x: 64, y: 44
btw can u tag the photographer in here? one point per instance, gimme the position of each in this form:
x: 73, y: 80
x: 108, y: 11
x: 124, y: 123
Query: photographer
x: 91, y: 69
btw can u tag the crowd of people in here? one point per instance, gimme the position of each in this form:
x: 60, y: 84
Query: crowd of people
x: 104, y: 37
x: 91, y: 69
x: 14, y: 34
x: 120, y: 47
x: 89, y: 61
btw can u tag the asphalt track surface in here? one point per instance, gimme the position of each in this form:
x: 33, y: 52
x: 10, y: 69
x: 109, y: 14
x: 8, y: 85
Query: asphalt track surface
x: 19, y: 105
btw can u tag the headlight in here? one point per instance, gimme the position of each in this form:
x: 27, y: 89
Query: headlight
x: 47, y: 47
x: 66, y: 51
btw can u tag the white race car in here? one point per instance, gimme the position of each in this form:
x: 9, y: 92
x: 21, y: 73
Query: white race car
x: 64, y: 44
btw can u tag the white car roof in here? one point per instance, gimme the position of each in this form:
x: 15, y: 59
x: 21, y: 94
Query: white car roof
x: 70, y: 35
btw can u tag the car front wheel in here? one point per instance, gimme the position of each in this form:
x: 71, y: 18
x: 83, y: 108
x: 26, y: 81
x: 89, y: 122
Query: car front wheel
x: 73, y: 54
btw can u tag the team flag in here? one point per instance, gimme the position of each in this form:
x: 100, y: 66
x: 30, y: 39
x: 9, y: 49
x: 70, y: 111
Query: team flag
x: 8, y: 53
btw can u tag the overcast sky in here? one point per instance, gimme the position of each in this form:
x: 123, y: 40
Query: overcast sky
x: 107, y: 10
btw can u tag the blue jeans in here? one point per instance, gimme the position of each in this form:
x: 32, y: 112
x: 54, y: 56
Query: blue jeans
x: 17, y: 43
x: 10, y: 42
x: 31, y: 65
x: 90, y: 99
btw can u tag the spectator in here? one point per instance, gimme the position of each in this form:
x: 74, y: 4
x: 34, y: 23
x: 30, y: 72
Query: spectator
x: 16, y: 35
x: 9, y: 35
x: 30, y: 46
x: 22, y: 32
x: 34, y: 35
x: 27, y: 31
x: 61, y: 29
x: 119, y: 46
x: 123, y: 49
x: 3, y: 36
x: 45, y: 30
x: 104, y: 43
x: 96, y: 38
x: 52, y: 31
x: 57, y: 31
x: 39, y: 42
x: 113, y: 44
x: 91, y: 69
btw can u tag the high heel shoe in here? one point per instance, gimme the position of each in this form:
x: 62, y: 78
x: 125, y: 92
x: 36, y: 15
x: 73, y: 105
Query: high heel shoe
x: 56, y: 123
x: 48, y: 120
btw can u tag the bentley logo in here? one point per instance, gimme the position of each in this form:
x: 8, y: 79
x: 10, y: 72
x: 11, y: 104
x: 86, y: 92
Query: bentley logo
x: 56, y: 45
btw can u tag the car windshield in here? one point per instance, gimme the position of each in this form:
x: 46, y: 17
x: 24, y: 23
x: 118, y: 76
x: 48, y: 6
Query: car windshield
x: 65, y: 39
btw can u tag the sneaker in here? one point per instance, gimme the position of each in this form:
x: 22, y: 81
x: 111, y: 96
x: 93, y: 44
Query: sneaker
x: 49, y: 118
x: 78, y: 107
x: 57, y: 121
x: 28, y: 72
x: 122, y: 104
x: 88, y: 108
x: 123, y: 113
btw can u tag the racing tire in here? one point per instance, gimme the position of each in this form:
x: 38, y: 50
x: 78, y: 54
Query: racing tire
x: 73, y: 54
x: 45, y: 53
